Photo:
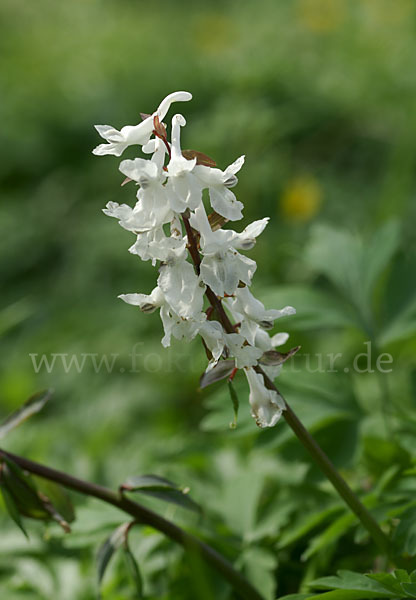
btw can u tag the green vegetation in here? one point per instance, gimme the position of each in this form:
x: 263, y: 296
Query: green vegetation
x: 319, y: 95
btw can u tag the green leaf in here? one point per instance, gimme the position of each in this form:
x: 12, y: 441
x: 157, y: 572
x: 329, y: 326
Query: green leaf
x: 410, y: 589
x: 259, y: 566
x: 330, y: 535
x: 295, y: 597
x: 133, y: 570
x: 29, y: 408
x: 350, y: 581
x: 107, y: 549
x: 388, y: 581
x: 402, y: 575
x: 160, y: 488
x: 378, y: 253
x: 307, y: 524
x: 401, y: 326
x: 11, y: 507
x: 235, y: 402
x: 348, y: 585
x: 351, y: 264
x: 58, y: 496
x: 23, y: 490
x: 399, y: 318
x: 404, y: 538
x: 29, y: 500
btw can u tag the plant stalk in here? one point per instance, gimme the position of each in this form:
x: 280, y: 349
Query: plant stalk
x: 144, y: 516
x: 327, y: 467
x: 303, y: 435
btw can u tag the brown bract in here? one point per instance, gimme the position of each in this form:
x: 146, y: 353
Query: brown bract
x: 201, y: 158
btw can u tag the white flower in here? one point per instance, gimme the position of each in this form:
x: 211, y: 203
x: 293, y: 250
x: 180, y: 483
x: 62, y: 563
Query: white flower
x: 148, y: 243
x: 244, y: 354
x: 266, y: 405
x: 223, y: 201
x: 118, y: 141
x: 122, y: 212
x: 178, y: 327
x: 167, y: 192
x: 223, y: 271
x: 212, y: 333
x: 182, y: 288
x: 152, y: 209
x: 173, y: 324
x: 251, y: 313
x: 222, y: 267
x: 183, y: 187
x: 146, y: 303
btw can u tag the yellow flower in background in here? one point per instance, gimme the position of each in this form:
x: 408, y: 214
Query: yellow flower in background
x: 301, y: 199
x: 321, y: 15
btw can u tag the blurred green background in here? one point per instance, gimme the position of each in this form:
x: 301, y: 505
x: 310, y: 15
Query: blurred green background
x: 320, y: 96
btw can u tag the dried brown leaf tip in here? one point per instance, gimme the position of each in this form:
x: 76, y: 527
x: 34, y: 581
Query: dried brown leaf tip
x: 159, y: 128
x: 216, y: 221
x: 273, y: 357
x: 201, y: 158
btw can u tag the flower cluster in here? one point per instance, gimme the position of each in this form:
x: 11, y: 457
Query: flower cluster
x: 172, y: 225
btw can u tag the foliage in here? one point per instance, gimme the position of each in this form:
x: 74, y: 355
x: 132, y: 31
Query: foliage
x: 322, y: 98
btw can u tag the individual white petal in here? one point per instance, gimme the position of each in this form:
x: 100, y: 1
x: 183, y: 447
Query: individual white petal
x: 224, y: 202
x: 113, y: 148
x: 178, y: 121
x: 151, y: 146
x: 262, y: 339
x: 266, y: 405
x: 212, y: 333
x: 118, y: 211
x: 145, y: 172
x: 236, y: 165
x: 209, y: 176
x: 109, y: 133
x: 274, y: 314
x: 247, y: 238
x: 279, y: 339
x: 147, y: 303
x: 173, y: 97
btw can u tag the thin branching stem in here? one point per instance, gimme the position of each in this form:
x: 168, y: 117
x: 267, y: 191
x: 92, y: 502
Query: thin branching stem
x: 144, y: 516
x: 318, y: 455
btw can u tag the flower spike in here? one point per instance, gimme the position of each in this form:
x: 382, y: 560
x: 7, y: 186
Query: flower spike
x: 204, y: 279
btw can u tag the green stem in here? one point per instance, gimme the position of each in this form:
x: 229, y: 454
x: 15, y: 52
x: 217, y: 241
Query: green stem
x: 332, y: 474
x: 144, y: 516
x: 292, y: 420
